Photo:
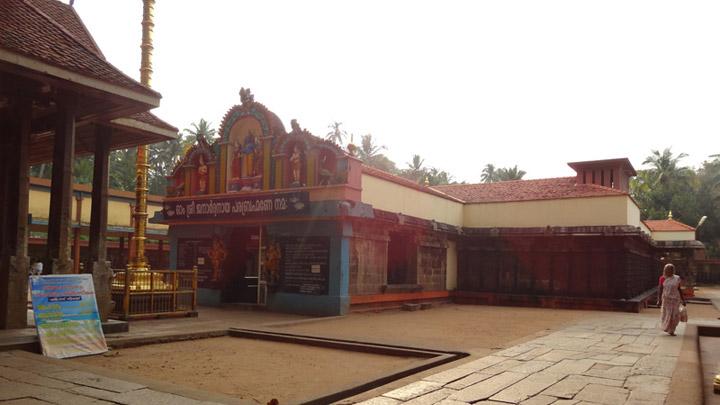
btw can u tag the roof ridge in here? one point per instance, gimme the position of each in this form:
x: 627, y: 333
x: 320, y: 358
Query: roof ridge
x: 411, y: 184
x: 503, y: 182
x: 65, y: 30
x: 78, y: 42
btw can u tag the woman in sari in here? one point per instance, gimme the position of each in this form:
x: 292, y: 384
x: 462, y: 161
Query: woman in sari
x: 670, y: 296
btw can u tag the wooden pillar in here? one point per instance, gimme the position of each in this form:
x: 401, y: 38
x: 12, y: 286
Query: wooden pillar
x: 121, y: 249
x: 14, y: 193
x: 58, y: 240
x: 76, y: 233
x: 161, y: 254
x: 98, y: 265
x: 97, y: 250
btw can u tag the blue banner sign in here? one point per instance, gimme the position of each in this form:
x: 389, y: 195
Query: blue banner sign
x: 66, y: 315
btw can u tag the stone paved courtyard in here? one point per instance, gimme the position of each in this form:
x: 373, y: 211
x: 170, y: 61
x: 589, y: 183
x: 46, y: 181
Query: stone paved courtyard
x: 611, y: 361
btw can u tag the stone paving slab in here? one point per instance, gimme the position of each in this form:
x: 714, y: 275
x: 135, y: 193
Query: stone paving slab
x: 468, y: 381
x: 96, y: 381
x: 539, y: 400
x: 488, y: 388
x: 431, y: 398
x: 603, y: 394
x: 526, y: 388
x: 571, y: 385
x: 621, y: 360
x: 413, y: 390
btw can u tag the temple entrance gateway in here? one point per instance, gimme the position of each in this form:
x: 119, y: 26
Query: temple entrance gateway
x: 241, y: 276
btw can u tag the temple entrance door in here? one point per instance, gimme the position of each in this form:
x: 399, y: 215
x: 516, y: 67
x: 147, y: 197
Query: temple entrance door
x: 242, y: 269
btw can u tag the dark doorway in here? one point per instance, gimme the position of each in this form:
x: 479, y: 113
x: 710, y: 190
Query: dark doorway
x: 400, y: 259
x: 240, y: 270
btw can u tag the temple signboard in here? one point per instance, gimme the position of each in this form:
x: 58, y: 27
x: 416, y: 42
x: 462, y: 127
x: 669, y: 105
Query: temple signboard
x: 237, y: 207
x: 304, y: 264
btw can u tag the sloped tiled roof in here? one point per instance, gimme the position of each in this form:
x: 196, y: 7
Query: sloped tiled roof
x: 526, y: 190
x: 152, y: 119
x: 51, y: 32
x: 405, y: 182
x: 667, y: 225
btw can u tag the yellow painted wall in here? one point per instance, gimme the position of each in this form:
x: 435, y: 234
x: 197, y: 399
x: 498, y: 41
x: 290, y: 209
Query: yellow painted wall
x: 393, y: 197
x: 687, y: 235
x: 566, y: 212
x: 451, y: 260
x: 118, y: 211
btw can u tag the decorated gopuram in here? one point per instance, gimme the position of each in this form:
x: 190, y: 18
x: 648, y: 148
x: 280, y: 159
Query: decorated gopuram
x: 293, y: 222
x: 260, y: 211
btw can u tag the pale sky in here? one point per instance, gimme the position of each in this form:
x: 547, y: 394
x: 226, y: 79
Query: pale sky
x: 461, y: 83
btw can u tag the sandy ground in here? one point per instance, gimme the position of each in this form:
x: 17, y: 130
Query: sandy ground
x: 471, y: 328
x: 252, y: 369
x: 262, y: 370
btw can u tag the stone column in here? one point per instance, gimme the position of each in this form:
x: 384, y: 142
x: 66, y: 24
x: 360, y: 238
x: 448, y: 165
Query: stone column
x: 14, y: 192
x: 60, y: 220
x: 98, y: 264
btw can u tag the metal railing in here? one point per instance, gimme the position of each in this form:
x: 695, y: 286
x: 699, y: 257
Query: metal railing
x: 154, y: 293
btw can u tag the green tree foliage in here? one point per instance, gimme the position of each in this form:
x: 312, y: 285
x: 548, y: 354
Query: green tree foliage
x: 510, y: 173
x: 82, y: 170
x: 489, y: 174
x: 667, y: 186
x: 492, y: 174
x: 336, y: 133
x: 201, y: 129
x: 437, y: 177
x: 415, y: 170
x: 122, y: 169
x: 42, y: 170
x: 369, y: 153
x: 420, y: 174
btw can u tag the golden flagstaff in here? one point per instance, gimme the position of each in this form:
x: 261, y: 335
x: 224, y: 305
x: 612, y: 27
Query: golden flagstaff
x: 138, y: 261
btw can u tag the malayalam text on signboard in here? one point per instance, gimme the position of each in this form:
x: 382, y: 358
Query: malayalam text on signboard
x: 304, y: 265
x: 66, y: 315
x: 237, y: 207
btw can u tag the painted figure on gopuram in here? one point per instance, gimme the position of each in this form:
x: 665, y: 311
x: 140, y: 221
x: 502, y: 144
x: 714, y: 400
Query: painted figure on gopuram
x: 255, y: 153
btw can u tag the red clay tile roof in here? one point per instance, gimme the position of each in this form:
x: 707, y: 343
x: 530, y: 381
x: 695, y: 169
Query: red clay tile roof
x: 150, y: 118
x: 405, y: 182
x: 526, y: 190
x: 68, y: 18
x: 52, y: 32
x: 667, y: 225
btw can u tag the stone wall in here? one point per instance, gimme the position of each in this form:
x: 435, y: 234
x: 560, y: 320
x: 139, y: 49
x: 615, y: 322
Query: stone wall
x: 432, y: 261
x: 591, y: 266
x: 368, y: 260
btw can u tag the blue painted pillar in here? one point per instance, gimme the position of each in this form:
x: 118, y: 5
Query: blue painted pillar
x: 340, y: 268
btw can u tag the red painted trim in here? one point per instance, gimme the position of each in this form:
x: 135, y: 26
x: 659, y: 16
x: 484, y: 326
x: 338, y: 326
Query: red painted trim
x: 375, y: 298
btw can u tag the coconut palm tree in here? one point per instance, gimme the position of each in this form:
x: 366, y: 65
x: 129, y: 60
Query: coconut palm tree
x: 336, y: 134
x: 489, y: 174
x: 415, y: 170
x: 368, y: 148
x: 510, y: 173
x: 437, y: 177
x: 665, y: 167
x: 201, y: 129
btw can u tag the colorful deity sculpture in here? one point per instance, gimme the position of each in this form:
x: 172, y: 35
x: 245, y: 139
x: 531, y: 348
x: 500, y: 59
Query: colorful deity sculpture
x: 296, y: 165
x: 202, y: 172
x: 217, y: 254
